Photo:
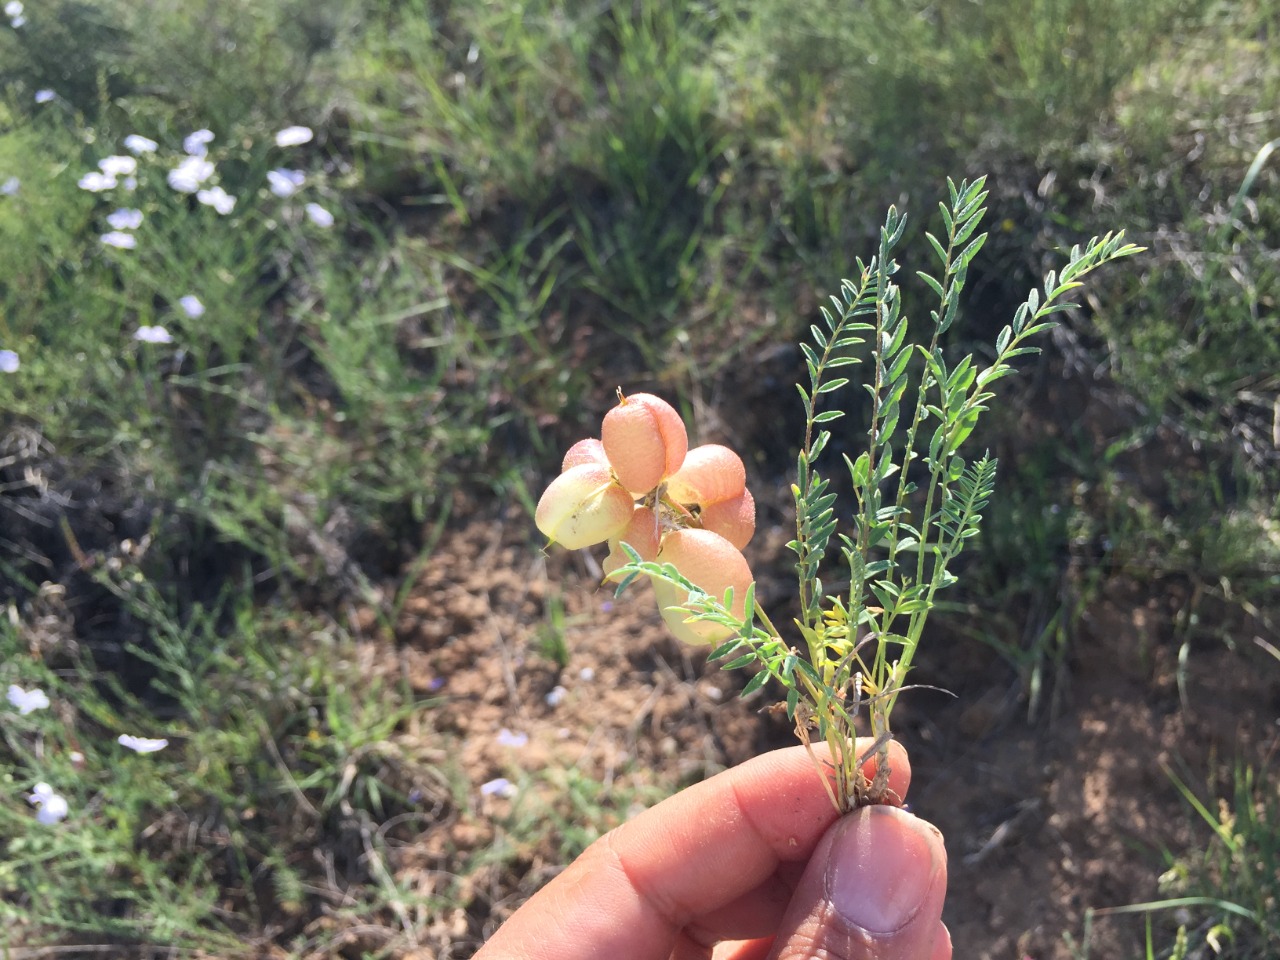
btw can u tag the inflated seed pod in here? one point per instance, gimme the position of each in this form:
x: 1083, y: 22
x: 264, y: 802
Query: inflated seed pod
x: 583, y: 506
x: 645, y: 441
x: 641, y: 533
x: 734, y: 519
x: 710, y: 474
x: 584, y: 451
x: 713, y: 564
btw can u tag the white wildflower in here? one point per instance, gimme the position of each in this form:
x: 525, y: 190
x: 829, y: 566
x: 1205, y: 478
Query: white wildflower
x: 96, y: 182
x: 506, y: 738
x: 294, y: 136
x: 10, y: 187
x: 120, y: 240
x: 51, y: 807
x: 26, y: 700
x: 13, y: 9
x: 217, y: 198
x: 141, y: 744
x: 156, y: 334
x: 501, y: 787
x: 118, y: 166
x: 187, y: 176
x: 556, y: 696
x: 9, y: 362
x: 137, y: 144
x: 125, y: 219
x: 197, y: 144
x: 192, y: 306
x: 319, y: 215
x: 44, y: 96
x: 285, y: 183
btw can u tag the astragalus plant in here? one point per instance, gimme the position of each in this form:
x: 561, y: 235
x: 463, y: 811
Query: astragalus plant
x: 680, y: 517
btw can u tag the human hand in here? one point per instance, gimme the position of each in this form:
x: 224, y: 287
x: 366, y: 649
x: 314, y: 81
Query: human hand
x: 751, y: 864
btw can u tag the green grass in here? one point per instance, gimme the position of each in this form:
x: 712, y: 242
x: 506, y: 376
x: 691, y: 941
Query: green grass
x: 1223, y: 898
x: 535, y: 203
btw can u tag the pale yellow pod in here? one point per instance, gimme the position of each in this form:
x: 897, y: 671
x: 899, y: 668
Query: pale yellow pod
x: 584, y: 451
x: 583, y: 506
x: 713, y: 564
x: 642, y: 533
x: 645, y: 441
x: 710, y: 474
x: 734, y: 519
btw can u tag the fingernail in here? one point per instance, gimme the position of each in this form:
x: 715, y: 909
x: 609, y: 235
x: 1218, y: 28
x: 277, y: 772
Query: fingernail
x: 881, y: 868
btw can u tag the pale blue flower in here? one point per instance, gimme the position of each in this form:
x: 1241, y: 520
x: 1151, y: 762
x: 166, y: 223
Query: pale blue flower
x: 197, y: 144
x: 125, y: 219
x: 27, y: 700
x: 555, y: 696
x: 319, y: 215
x: 44, y: 96
x: 294, y: 136
x: 118, y: 166
x: 17, y: 22
x: 13, y: 9
x: 506, y: 738
x: 156, y: 334
x: 96, y: 182
x: 501, y: 787
x: 192, y: 306
x: 51, y: 807
x: 120, y: 240
x: 137, y: 144
x: 187, y: 176
x: 9, y: 362
x: 217, y: 198
x: 285, y: 183
x: 141, y: 744
x: 10, y: 187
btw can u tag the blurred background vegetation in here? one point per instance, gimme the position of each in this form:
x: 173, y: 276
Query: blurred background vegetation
x: 537, y: 202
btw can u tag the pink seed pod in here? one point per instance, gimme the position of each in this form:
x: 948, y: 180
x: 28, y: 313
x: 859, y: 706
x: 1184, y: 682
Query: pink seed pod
x: 735, y: 519
x: 583, y: 506
x: 645, y: 441
x: 710, y: 474
x: 714, y: 564
x: 642, y: 533
x: 584, y: 451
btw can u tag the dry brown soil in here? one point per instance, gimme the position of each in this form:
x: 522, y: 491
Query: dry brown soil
x: 1044, y: 818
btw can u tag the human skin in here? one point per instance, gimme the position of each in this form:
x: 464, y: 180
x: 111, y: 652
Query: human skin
x: 752, y: 864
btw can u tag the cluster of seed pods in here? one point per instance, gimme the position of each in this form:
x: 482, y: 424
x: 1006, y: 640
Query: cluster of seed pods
x: 640, y: 484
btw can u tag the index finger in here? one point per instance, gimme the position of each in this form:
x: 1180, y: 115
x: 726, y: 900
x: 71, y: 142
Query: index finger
x: 630, y: 894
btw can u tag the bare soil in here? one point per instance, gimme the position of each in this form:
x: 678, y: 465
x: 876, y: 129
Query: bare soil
x: 1044, y: 818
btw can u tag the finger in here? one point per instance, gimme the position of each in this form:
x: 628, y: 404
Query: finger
x: 872, y: 891
x: 692, y: 855
x: 743, y: 949
x: 941, y: 944
x: 757, y: 913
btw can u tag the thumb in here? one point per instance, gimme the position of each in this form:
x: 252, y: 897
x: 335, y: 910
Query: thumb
x: 873, y: 890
